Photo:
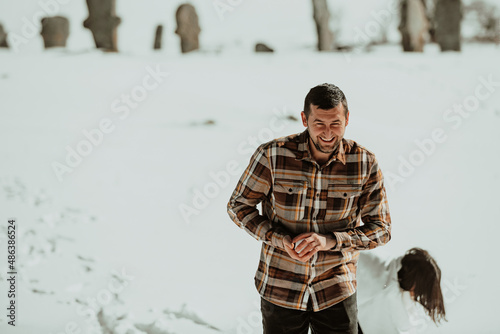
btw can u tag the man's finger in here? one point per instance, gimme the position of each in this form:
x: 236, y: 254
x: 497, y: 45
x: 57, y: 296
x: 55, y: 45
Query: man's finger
x: 302, y: 236
x: 309, y: 254
x: 306, y: 249
x: 301, y: 259
x: 303, y: 245
x: 311, y: 239
x: 287, y: 242
x: 293, y: 254
x: 300, y: 245
x: 304, y: 259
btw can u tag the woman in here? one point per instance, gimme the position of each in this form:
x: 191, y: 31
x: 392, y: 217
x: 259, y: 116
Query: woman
x: 390, y: 293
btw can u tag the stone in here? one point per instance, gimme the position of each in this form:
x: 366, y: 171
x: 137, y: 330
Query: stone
x: 261, y: 47
x: 55, y: 31
x: 103, y: 23
x: 187, y: 27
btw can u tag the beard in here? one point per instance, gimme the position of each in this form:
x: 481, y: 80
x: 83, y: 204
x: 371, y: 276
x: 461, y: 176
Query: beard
x: 327, y: 149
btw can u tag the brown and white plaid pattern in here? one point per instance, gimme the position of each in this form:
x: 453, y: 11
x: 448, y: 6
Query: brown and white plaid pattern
x: 346, y: 197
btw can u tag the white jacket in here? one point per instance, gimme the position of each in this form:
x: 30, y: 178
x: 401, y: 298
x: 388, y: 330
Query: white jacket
x: 383, y: 307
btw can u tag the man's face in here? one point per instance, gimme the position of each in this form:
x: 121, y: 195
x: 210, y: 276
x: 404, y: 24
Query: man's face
x: 326, y: 127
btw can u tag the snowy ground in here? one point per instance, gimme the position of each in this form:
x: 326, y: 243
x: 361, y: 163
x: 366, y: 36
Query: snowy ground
x: 104, y: 243
x: 119, y: 210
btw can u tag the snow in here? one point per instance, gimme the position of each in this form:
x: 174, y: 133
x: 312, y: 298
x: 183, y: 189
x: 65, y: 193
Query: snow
x: 109, y: 246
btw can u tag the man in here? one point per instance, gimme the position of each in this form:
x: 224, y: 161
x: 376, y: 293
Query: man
x: 315, y: 189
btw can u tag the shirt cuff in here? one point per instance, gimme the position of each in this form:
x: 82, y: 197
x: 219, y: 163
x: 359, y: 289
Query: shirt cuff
x: 343, y: 240
x: 277, y: 240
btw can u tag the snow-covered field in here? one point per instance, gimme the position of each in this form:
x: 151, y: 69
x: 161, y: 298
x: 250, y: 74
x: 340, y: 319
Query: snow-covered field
x: 118, y: 168
x: 122, y: 210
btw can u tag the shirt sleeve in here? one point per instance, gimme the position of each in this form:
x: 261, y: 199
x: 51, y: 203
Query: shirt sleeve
x: 254, y: 187
x: 374, y: 211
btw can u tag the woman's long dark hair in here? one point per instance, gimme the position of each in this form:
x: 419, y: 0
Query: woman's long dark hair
x: 421, y: 275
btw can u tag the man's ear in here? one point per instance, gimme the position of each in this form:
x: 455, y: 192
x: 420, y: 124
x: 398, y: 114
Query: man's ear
x: 347, y: 119
x: 304, y: 118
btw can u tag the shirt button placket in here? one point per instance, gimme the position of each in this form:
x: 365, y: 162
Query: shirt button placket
x: 314, y: 226
x: 316, y: 200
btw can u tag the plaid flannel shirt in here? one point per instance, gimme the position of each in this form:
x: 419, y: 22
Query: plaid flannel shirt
x: 298, y: 196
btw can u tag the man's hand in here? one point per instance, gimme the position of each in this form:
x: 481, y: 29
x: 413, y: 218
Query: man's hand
x: 289, y: 248
x: 305, y: 245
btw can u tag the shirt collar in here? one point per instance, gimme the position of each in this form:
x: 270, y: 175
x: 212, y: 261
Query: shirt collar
x: 303, y: 152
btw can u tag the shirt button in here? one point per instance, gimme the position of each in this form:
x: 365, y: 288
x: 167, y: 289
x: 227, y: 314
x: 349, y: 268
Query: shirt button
x: 312, y: 265
x: 317, y: 194
x: 310, y: 285
x: 345, y: 194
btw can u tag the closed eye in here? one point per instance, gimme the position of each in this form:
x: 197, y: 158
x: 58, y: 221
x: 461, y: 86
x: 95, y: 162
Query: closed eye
x: 334, y: 124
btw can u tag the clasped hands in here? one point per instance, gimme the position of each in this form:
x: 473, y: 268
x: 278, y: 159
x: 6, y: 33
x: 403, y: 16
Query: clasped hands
x: 305, y: 245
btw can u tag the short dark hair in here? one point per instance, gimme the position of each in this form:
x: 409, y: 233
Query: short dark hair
x: 325, y: 96
x: 419, y: 272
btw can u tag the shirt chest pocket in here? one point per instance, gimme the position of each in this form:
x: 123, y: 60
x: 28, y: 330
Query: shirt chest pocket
x: 289, y: 199
x: 342, y: 201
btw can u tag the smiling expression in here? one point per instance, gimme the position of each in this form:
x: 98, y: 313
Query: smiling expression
x: 326, y: 130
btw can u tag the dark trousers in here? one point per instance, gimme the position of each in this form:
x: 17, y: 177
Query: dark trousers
x: 339, y: 318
